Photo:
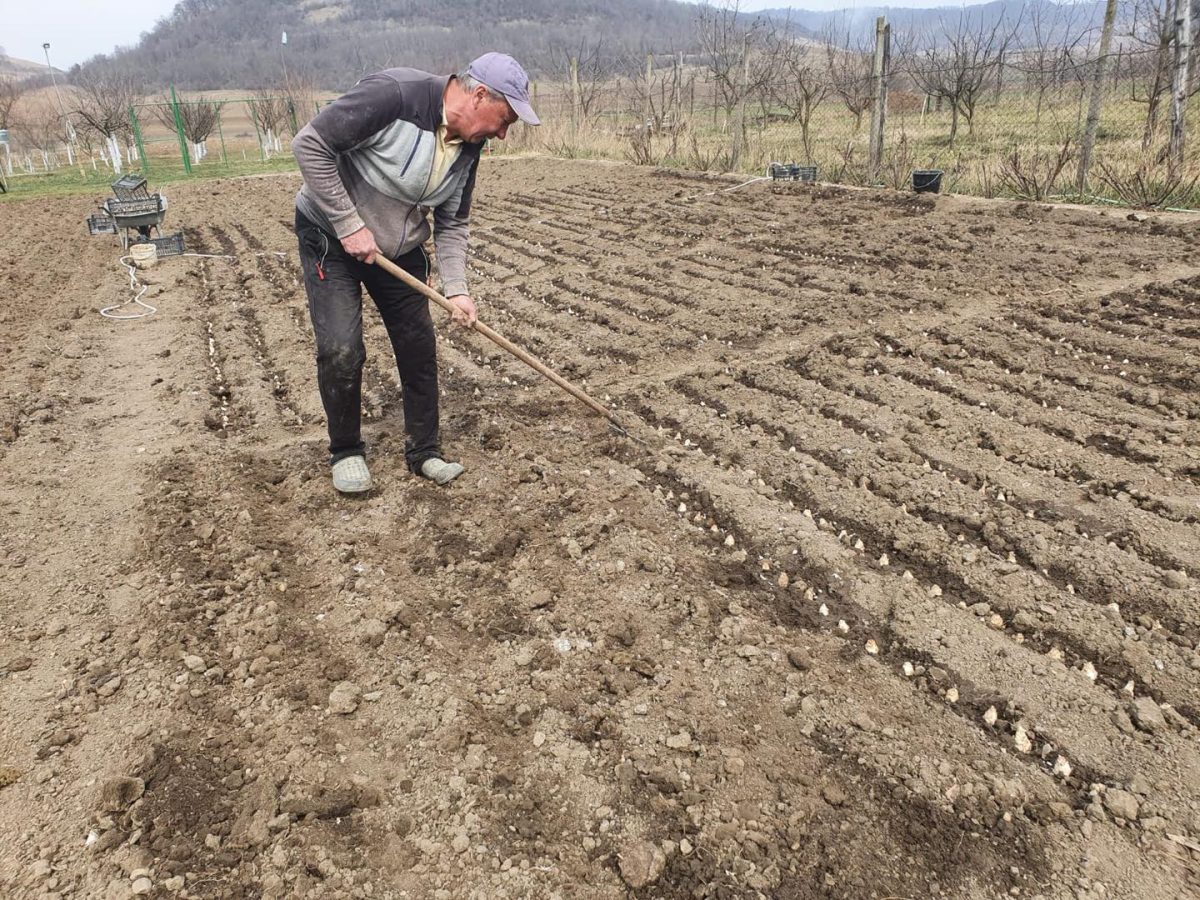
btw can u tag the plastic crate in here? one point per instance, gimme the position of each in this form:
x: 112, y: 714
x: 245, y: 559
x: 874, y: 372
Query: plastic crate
x: 807, y: 174
x: 170, y: 245
x: 101, y: 224
x: 138, y: 207
x: 131, y: 187
x: 780, y: 171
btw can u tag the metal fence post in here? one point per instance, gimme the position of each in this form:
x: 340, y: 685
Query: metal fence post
x: 883, y: 51
x: 187, y: 159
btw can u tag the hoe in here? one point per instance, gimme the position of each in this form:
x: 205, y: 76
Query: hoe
x: 500, y: 341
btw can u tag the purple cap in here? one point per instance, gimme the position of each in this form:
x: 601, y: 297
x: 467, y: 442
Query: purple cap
x: 504, y: 75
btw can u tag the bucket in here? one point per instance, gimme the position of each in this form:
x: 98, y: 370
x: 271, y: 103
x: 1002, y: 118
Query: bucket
x: 144, y: 255
x: 927, y: 181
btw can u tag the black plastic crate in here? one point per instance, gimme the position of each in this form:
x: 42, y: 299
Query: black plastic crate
x: 138, y: 207
x: 101, y: 224
x: 131, y: 187
x: 170, y: 245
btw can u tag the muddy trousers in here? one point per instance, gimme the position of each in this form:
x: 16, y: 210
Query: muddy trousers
x: 333, y: 280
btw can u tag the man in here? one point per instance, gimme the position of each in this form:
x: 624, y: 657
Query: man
x: 399, y: 144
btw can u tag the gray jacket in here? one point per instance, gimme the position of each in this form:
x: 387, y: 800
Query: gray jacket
x: 367, y: 158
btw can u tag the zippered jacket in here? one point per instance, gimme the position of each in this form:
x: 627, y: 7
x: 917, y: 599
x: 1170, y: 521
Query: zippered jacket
x: 367, y: 159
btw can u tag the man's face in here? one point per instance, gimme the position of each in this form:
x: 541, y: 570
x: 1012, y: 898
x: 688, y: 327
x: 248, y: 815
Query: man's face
x: 488, y: 118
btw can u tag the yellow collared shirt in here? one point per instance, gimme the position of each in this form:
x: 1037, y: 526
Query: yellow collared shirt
x: 445, y: 152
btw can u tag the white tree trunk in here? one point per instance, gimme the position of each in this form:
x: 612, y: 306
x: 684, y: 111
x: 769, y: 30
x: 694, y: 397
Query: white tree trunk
x: 114, y: 154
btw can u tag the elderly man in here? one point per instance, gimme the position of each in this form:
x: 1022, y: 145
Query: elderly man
x: 375, y: 161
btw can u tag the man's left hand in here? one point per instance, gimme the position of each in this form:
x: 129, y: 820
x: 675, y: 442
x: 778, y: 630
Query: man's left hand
x: 464, y: 310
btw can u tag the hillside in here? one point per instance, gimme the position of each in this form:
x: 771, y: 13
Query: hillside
x: 211, y: 44
x: 20, y: 69
x: 1051, y: 20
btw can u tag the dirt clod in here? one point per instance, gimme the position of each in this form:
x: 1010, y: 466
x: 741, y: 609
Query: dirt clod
x: 116, y: 794
x: 641, y: 864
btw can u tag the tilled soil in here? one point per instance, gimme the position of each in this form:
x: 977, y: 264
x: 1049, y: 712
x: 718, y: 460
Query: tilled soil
x: 898, y: 599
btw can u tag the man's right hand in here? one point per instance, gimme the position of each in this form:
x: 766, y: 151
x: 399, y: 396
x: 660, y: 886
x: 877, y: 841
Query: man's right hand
x: 361, y: 245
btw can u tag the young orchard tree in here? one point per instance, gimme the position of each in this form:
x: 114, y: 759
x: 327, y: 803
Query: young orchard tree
x: 592, y: 71
x: 801, y: 81
x: 956, y: 61
x: 102, y: 101
x: 199, y: 119
x: 849, y: 62
x: 730, y: 46
x: 268, y: 112
x: 300, y: 100
x: 10, y: 93
x: 40, y: 132
x: 1055, y: 37
x: 1150, y: 68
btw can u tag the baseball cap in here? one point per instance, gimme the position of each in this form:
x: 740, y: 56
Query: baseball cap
x: 504, y: 75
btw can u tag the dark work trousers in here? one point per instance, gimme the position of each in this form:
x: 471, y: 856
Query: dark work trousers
x: 333, y: 280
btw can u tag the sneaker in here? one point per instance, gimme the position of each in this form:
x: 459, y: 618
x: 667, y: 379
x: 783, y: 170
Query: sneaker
x: 350, y: 475
x: 440, y: 471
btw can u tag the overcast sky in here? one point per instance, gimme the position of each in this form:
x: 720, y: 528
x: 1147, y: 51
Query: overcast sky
x: 77, y: 29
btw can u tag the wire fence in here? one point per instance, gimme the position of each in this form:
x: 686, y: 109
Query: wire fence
x: 1018, y: 134
x: 175, y: 134
x: 1050, y: 112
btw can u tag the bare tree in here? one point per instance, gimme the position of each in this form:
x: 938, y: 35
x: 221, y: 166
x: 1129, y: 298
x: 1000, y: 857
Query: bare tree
x: 849, y: 63
x: 801, y: 83
x: 728, y: 39
x: 730, y: 44
x: 268, y: 112
x: 1056, y: 36
x: 40, y: 131
x: 300, y: 101
x: 103, y: 100
x: 198, y: 119
x: 1153, y: 29
x: 954, y: 63
x: 10, y: 92
x: 592, y: 71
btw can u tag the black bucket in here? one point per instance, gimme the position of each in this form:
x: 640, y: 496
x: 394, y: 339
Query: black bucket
x: 927, y: 181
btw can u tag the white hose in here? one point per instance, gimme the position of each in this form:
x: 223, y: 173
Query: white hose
x: 109, y: 311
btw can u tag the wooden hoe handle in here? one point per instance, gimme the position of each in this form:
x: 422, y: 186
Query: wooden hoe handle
x: 498, y: 339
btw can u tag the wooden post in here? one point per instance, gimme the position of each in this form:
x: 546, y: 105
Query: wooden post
x: 1179, y: 92
x: 738, y: 133
x: 648, y: 106
x: 1088, y: 141
x: 575, y: 110
x: 883, y: 41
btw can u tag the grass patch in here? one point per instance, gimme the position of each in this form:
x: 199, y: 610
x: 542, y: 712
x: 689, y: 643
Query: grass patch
x: 68, y: 181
